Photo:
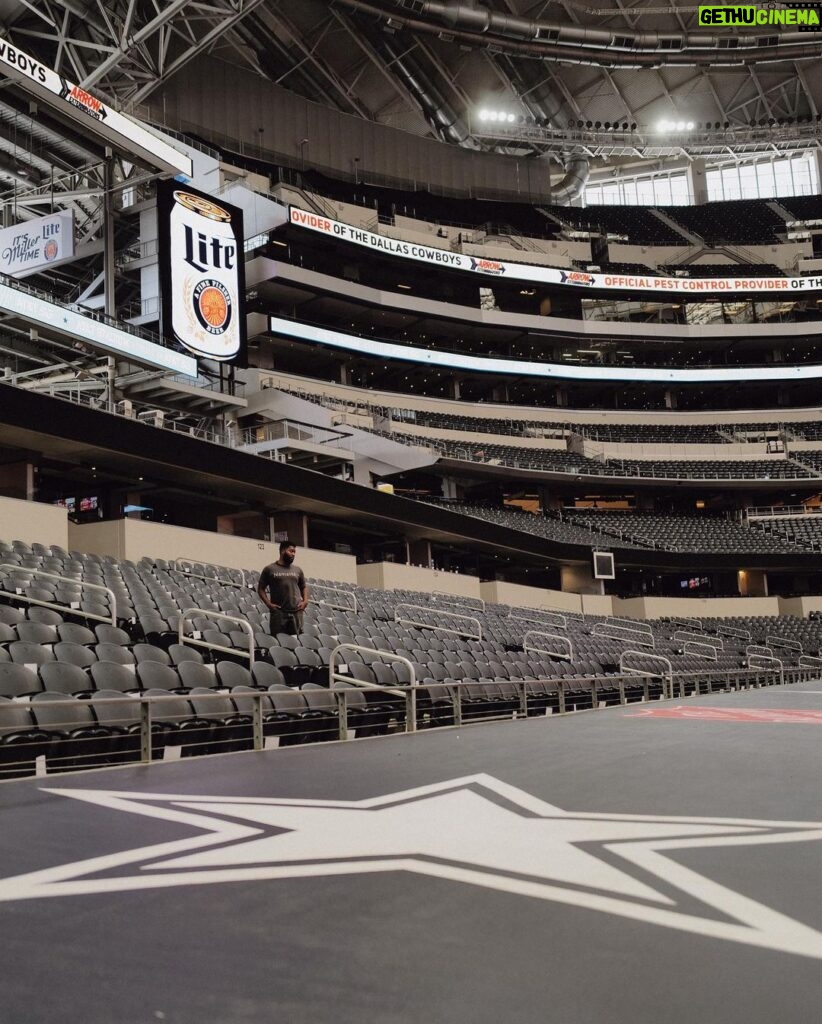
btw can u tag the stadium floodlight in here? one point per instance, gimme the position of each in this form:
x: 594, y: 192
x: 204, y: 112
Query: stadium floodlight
x: 484, y: 115
x: 675, y: 126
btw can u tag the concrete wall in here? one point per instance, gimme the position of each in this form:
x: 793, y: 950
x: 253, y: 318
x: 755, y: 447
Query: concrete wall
x: 134, y: 539
x: 394, y: 576
x: 518, y: 596
x: 695, y: 607
x: 107, y: 538
x: 799, y: 606
x: 784, y: 255
x: 33, y: 522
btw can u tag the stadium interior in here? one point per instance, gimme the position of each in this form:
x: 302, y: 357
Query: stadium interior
x: 508, y: 316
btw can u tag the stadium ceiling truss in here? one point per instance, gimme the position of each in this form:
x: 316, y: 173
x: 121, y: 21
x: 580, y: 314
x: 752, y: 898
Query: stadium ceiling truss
x: 428, y: 66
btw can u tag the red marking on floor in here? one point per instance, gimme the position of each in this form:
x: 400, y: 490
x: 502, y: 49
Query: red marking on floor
x: 792, y: 716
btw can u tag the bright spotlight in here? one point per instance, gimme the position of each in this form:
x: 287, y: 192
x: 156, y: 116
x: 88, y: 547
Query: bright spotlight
x: 492, y: 115
x: 680, y: 126
x: 483, y: 115
x: 662, y: 126
x: 511, y: 118
x: 690, y: 126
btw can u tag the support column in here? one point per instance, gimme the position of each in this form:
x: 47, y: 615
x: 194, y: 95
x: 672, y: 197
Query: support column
x: 17, y: 480
x: 291, y: 526
x: 697, y: 178
x: 752, y: 583
x: 579, y: 579
x: 419, y: 553
x: 109, y: 270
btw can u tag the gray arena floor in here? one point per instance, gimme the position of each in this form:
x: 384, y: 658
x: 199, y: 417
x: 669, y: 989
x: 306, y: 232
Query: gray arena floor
x: 653, y: 863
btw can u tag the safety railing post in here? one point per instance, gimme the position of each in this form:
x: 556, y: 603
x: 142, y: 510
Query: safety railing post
x: 257, y: 733
x: 411, y: 709
x: 523, y: 697
x: 342, y: 713
x: 457, y: 699
x: 145, y: 731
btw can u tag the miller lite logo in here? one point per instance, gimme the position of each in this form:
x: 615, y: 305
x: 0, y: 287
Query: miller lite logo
x: 206, y: 256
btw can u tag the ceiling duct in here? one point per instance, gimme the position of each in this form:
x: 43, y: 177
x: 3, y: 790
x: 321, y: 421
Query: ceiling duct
x: 476, y: 25
x: 544, y: 102
x: 438, y: 112
x: 575, y: 180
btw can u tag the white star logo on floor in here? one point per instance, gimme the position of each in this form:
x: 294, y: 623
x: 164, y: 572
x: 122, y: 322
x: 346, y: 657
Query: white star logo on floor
x: 474, y: 830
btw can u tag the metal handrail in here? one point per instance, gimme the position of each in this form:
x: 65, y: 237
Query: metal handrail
x: 766, y: 652
x: 442, y: 629
x: 562, y: 611
x: 774, y: 661
x: 65, y: 609
x: 562, y: 624
x: 408, y: 692
x: 636, y: 624
x: 260, y: 742
x: 809, y: 661
x: 174, y: 566
x: 696, y: 648
x: 635, y: 636
x: 644, y: 671
x: 700, y: 638
x: 459, y: 599
x: 740, y: 634
x: 193, y: 642
x: 689, y: 622
x: 549, y: 636
x: 336, y: 590
x: 783, y: 641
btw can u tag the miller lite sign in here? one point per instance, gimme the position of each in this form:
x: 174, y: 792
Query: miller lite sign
x: 202, y: 273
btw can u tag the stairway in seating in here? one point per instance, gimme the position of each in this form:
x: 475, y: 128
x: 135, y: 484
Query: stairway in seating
x: 674, y: 225
x: 809, y: 468
x: 780, y: 211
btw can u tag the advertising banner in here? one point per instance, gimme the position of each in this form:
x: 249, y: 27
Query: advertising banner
x: 202, y: 273
x: 672, y: 286
x: 60, y: 93
x: 37, y: 243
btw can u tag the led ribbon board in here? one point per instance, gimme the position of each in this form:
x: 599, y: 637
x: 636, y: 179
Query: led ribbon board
x: 673, y: 286
x: 202, y: 273
x: 517, y: 368
x: 54, y: 318
x: 123, y: 132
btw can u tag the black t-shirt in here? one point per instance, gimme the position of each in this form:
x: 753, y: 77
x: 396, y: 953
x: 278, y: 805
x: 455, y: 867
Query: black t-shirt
x: 285, y: 584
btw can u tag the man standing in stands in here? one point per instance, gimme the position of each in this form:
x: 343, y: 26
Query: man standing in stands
x: 287, y: 594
